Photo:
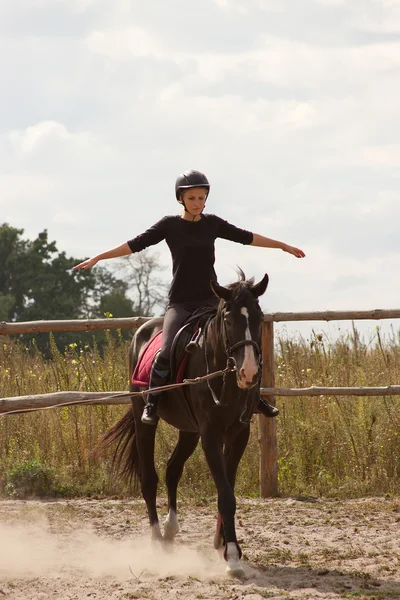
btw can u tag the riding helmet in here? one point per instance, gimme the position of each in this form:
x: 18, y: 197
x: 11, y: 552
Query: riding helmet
x: 190, y: 179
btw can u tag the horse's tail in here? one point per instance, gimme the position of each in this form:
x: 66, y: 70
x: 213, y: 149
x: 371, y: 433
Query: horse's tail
x: 125, y: 459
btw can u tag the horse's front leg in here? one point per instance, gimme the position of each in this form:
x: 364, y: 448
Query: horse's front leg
x: 183, y: 450
x: 233, y: 453
x: 212, y: 446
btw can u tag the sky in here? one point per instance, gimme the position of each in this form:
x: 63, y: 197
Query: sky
x: 290, y: 107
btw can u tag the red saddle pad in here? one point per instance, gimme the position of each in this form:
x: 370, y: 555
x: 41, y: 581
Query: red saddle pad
x: 141, y: 373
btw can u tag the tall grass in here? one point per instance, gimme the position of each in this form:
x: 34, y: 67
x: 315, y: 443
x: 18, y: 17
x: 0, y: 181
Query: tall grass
x: 332, y: 446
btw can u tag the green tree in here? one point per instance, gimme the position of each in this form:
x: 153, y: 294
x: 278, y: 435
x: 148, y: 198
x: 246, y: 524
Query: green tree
x: 6, y: 304
x: 117, y: 304
x: 10, y: 247
x: 37, y: 282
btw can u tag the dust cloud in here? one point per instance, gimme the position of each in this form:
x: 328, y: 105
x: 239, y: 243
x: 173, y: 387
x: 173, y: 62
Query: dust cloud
x: 32, y: 550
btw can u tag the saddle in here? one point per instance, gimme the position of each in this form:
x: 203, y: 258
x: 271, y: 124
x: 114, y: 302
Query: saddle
x: 185, y: 342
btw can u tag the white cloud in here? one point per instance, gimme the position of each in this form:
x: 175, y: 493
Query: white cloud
x: 50, y: 141
x: 124, y: 43
x: 290, y: 109
x: 379, y: 16
x: 245, y: 6
x: 382, y: 156
x: 330, y: 3
x: 29, y: 140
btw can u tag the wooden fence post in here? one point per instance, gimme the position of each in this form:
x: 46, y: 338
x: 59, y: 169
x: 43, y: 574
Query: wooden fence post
x: 267, y: 427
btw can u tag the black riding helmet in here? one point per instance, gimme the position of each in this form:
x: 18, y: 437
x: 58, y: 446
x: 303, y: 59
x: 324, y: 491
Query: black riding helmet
x: 190, y: 179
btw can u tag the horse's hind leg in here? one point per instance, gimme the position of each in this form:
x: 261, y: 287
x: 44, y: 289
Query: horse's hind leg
x: 145, y: 441
x: 183, y: 450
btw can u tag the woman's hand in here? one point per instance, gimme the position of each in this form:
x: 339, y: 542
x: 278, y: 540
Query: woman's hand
x: 86, y: 264
x: 293, y: 250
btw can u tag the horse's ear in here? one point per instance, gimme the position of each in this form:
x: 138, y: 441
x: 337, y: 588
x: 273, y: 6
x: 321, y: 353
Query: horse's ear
x: 220, y: 291
x: 258, y: 289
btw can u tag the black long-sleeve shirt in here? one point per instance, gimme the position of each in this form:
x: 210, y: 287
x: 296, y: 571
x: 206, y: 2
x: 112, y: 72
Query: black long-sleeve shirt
x: 192, y: 246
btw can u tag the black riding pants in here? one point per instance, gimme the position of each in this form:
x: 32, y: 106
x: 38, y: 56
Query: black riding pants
x: 174, y: 319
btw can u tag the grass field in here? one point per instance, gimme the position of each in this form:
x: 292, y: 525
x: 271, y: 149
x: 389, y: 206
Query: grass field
x: 328, y: 446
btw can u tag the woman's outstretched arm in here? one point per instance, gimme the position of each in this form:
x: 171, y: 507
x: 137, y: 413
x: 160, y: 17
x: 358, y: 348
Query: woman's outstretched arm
x: 121, y: 250
x: 264, y: 242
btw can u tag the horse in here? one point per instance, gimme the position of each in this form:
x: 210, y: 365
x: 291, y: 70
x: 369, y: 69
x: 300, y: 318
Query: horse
x: 217, y: 411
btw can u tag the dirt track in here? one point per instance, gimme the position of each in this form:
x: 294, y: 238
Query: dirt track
x: 99, y: 549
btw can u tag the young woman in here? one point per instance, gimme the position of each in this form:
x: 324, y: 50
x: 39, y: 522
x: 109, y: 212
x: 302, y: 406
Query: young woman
x: 191, y: 239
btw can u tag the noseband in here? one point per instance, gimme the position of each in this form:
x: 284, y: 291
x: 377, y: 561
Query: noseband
x: 230, y: 349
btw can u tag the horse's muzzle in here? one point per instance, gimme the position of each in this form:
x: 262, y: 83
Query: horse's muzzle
x: 248, y: 374
x: 246, y: 384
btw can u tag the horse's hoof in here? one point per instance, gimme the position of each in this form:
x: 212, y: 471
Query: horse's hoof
x: 171, y: 527
x: 168, y: 538
x: 170, y: 533
x: 235, y: 569
x: 168, y: 546
x: 232, y: 556
x: 221, y: 552
x: 156, y: 535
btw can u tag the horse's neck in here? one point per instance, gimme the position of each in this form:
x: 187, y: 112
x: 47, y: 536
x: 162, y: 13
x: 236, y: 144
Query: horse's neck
x: 215, y: 349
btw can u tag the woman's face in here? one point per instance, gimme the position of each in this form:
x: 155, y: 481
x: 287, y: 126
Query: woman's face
x: 195, y: 199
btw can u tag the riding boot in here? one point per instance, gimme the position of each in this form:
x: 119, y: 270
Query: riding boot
x: 266, y: 409
x: 159, y: 375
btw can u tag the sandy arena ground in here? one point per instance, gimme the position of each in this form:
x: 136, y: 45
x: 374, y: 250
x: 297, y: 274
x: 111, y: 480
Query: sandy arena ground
x: 293, y: 549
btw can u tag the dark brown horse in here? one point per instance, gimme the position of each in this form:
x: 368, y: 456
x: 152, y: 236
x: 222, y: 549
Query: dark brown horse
x: 216, y: 411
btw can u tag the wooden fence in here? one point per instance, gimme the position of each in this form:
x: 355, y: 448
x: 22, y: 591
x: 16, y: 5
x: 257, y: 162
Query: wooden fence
x: 267, y: 427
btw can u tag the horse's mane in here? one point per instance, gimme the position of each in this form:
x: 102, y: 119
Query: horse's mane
x: 240, y: 287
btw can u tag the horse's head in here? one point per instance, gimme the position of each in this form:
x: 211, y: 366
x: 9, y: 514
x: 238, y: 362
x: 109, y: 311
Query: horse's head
x: 241, y: 319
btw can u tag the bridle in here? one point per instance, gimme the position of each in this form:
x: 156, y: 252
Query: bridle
x: 228, y: 350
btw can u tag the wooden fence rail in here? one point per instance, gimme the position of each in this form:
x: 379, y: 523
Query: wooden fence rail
x: 267, y: 427
x: 67, y: 398
x: 135, y: 322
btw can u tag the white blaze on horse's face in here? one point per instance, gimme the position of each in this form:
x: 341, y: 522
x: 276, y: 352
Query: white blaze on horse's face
x: 249, y: 368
